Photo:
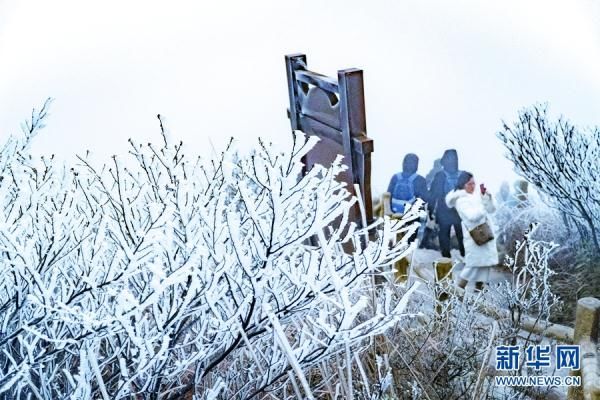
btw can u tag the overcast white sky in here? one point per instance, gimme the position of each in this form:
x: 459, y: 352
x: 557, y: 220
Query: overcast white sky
x: 438, y: 74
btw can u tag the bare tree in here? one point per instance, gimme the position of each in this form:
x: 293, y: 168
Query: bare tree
x: 561, y: 160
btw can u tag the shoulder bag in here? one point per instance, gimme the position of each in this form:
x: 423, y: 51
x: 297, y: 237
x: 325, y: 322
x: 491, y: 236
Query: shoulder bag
x: 482, y: 234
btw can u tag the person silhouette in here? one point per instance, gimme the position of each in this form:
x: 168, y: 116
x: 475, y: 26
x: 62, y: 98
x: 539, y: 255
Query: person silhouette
x: 446, y: 218
x: 406, y: 186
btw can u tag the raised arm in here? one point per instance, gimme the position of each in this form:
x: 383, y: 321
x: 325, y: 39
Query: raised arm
x: 488, y: 202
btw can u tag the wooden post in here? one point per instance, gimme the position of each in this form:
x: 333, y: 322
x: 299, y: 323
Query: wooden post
x: 442, y: 268
x: 402, y: 266
x: 589, y: 370
x: 293, y: 63
x: 357, y: 146
x: 401, y: 269
x: 586, y: 319
x: 352, y: 111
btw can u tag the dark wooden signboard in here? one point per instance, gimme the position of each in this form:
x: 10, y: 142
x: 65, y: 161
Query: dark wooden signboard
x: 334, y: 111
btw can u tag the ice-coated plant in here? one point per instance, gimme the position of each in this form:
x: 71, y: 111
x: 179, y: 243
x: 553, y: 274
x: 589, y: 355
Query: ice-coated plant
x: 529, y: 291
x: 161, y: 276
x: 561, y: 160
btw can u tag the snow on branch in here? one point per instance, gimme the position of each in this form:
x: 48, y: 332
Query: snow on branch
x: 166, y: 275
x: 561, y: 160
x: 529, y: 291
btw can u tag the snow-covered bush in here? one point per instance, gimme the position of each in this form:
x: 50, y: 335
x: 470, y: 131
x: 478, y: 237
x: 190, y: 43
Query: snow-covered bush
x: 574, y: 265
x: 528, y: 292
x: 561, y: 160
x: 438, y: 354
x: 446, y: 352
x: 161, y: 275
x: 513, y: 219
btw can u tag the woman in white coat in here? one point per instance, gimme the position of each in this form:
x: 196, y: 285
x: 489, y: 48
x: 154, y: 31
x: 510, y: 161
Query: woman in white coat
x: 473, y: 208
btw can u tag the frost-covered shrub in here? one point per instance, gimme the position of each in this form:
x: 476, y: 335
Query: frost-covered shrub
x: 529, y: 291
x: 446, y: 351
x: 574, y: 264
x: 439, y: 353
x: 513, y: 219
x: 163, y: 276
x: 561, y: 160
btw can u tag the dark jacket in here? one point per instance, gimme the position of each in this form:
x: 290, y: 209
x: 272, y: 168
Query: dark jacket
x: 437, y: 192
x: 437, y: 167
x: 410, y: 165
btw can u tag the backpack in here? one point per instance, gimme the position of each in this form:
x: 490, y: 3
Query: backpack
x: 450, y: 183
x: 403, y: 192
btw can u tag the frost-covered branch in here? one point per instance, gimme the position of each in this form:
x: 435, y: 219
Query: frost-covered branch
x: 161, y: 274
x: 529, y: 291
x: 561, y: 160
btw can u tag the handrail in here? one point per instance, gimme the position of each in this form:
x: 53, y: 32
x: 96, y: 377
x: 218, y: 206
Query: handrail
x: 321, y: 81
